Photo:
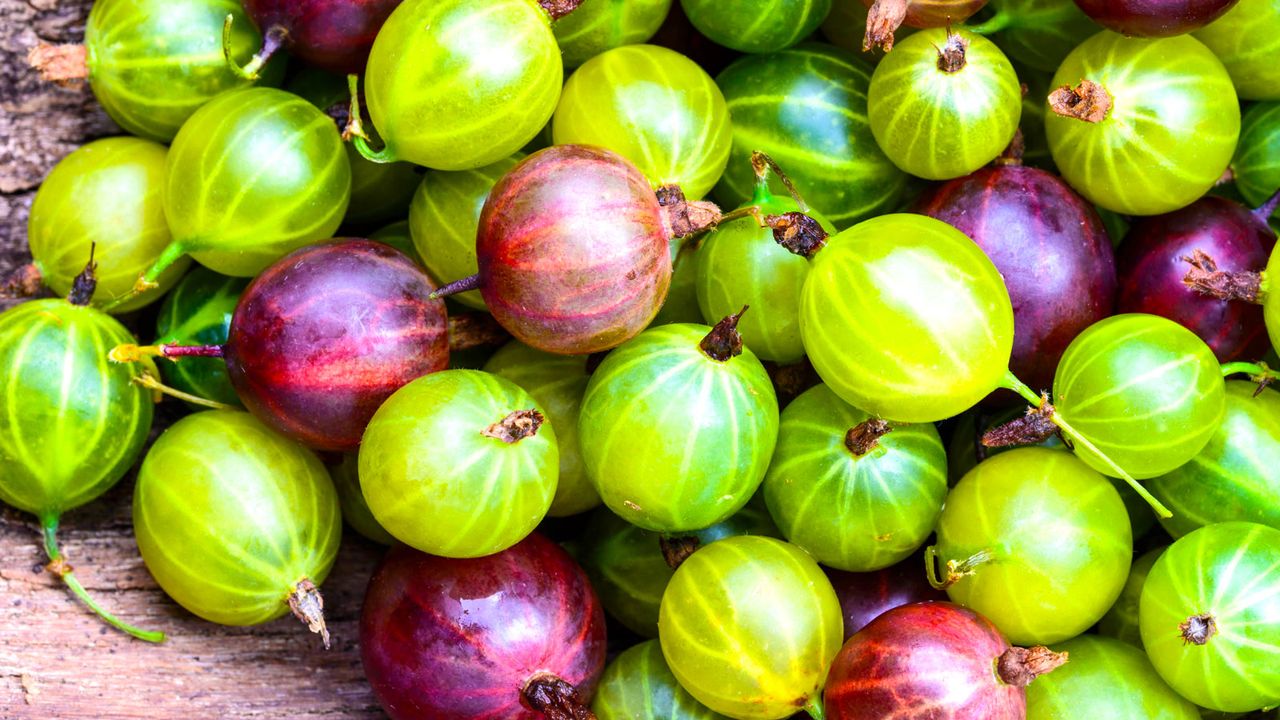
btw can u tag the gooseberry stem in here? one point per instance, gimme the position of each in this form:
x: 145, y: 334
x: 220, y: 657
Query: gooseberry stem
x: 59, y: 566
x: 147, y: 280
x: 272, y: 40
x: 470, y: 282
x: 355, y: 128
x: 1258, y: 372
x: 1263, y: 212
x: 994, y: 24
x: 956, y: 569
x: 128, y: 352
x: 762, y: 164
x: 1011, y: 382
x: 814, y: 708
x: 149, y: 382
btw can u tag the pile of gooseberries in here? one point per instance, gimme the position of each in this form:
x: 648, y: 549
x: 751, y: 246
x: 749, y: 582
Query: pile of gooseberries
x: 681, y: 352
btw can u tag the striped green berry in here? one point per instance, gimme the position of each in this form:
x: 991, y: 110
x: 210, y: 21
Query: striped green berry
x: 756, y: 26
x: 638, y: 684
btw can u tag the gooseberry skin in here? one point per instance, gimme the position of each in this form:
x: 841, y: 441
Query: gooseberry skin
x: 756, y: 27
x: 74, y: 422
x: 906, y: 318
x: 1168, y: 135
x: 321, y: 338
x: 673, y: 439
x: 379, y: 191
x: 866, y: 596
x: 106, y: 193
x: 681, y: 303
x: 932, y: 654
x: 937, y: 13
x: 739, y: 263
x: 1246, y: 41
x: 1039, y: 33
x: 1152, y: 268
x: 601, y: 25
x: 231, y: 515
x: 452, y: 621
x: 653, y: 106
x: 1105, y: 678
x: 1237, y: 475
x: 638, y: 684
x: 148, y: 88
x: 851, y: 512
x: 1049, y: 245
x: 1121, y: 621
x: 335, y: 35
x: 252, y: 176
x: 444, y: 216
x: 1256, y: 166
x: 1228, y: 571
x: 1154, y: 18
x: 557, y: 236
x: 484, y: 78
x: 806, y: 107
x: 426, y: 454
x: 355, y: 511
x: 557, y: 383
x: 939, y: 124
x: 627, y: 567
x: 198, y: 311
x: 763, y: 602
x: 1144, y: 390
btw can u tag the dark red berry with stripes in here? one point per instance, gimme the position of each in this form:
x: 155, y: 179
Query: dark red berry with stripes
x: 1151, y: 268
x: 321, y: 338
x: 519, y: 635
x: 1050, y: 246
x: 335, y: 35
x: 934, y: 660
x: 1154, y: 18
x: 865, y: 596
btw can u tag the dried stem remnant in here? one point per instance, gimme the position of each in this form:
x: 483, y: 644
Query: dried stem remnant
x: 1205, y: 278
x: 724, y: 341
x: 865, y: 436
x: 681, y: 217
x: 1019, y: 666
x: 883, y: 18
x: 1035, y: 426
x: 675, y: 550
x: 1088, y: 101
x: 515, y: 427
x: 1197, y: 629
x: 951, y: 57
x: 555, y: 698
x: 797, y: 232
x: 308, y: 606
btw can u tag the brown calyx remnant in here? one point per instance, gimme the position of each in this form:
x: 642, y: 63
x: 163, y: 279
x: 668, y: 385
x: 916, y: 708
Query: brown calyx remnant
x: 559, y: 8
x: 681, y: 217
x: 1205, y: 278
x: 863, y: 437
x: 23, y: 283
x: 1019, y: 666
x: 1014, y: 153
x: 883, y: 18
x: 1088, y: 101
x: 308, y: 606
x: 724, y: 341
x: 1197, y: 629
x: 951, y: 56
x: 791, y: 380
x: 675, y: 550
x: 555, y: 698
x: 61, y: 64
x: 86, y: 283
x: 475, y: 329
x: 60, y: 567
x: 1035, y: 426
x: 797, y: 232
x: 515, y: 427
x: 957, y: 570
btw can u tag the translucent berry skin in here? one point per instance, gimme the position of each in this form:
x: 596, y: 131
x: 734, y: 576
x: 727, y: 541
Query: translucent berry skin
x: 459, y: 639
x: 572, y: 251
x: 738, y: 25
x: 1246, y: 39
x: 322, y: 337
x: 332, y: 34
x: 1154, y: 18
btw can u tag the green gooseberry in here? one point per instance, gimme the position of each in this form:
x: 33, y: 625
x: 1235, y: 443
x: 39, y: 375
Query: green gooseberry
x: 484, y: 78
x: 1246, y: 40
x: 1256, y: 166
x: 236, y: 522
x: 906, y: 318
x: 150, y: 88
x: 756, y: 27
x: 638, y: 684
x: 1237, y: 474
x: 73, y: 423
x: 346, y: 480
x: 198, y: 312
x: 252, y: 176
x: 468, y: 450
x: 681, y: 303
x: 557, y: 383
x: 653, y: 106
x: 739, y: 263
x: 628, y: 568
x: 1142, y: 126
x: 855, y: 492
x: 677, y: 426
x: 1035, y: 540
x: 444, y: 217
x: 1037, y: 33
x: 1105, y: 678
x: 944, y: 103
x: 1144, y: 390
x: 104, y: 197
x: 600, y: 25
x: 807, y: 108
x: 1121, y: 621
x: 1210, y: 616
x: 767, y: 606
x: 398, y: 236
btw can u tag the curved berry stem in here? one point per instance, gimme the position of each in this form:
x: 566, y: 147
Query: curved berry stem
x: 1263, y: 212
x: 355, y: 133
x: 272, y: 41
x: 470, y: 282
x: 58, y: 566
x: 147, y: 280
x: 814, y: 708
x: 994, y: 24
x: 149, y: 382
x: 956, y: 569
x: 1258, y: 372
x: 762, y: 164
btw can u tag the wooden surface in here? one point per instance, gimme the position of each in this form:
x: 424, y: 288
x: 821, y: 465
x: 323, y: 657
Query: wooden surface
x: 57, y: 661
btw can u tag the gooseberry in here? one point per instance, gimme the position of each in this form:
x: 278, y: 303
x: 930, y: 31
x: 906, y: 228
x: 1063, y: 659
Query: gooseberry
x: 1255, y: 167
x: 868, y: 595
x: 1121, y: 621
x: 332, y: 34
x: 603, y: 25
x: 756, y: 27
x: 638, y: 684
x: 1105, y: 678
x: 884, y: 17
x: 1154, y: 18
x: 1245, y: 39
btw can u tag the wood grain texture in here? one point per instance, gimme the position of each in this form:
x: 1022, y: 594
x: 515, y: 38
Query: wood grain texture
x: 56, y: 659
